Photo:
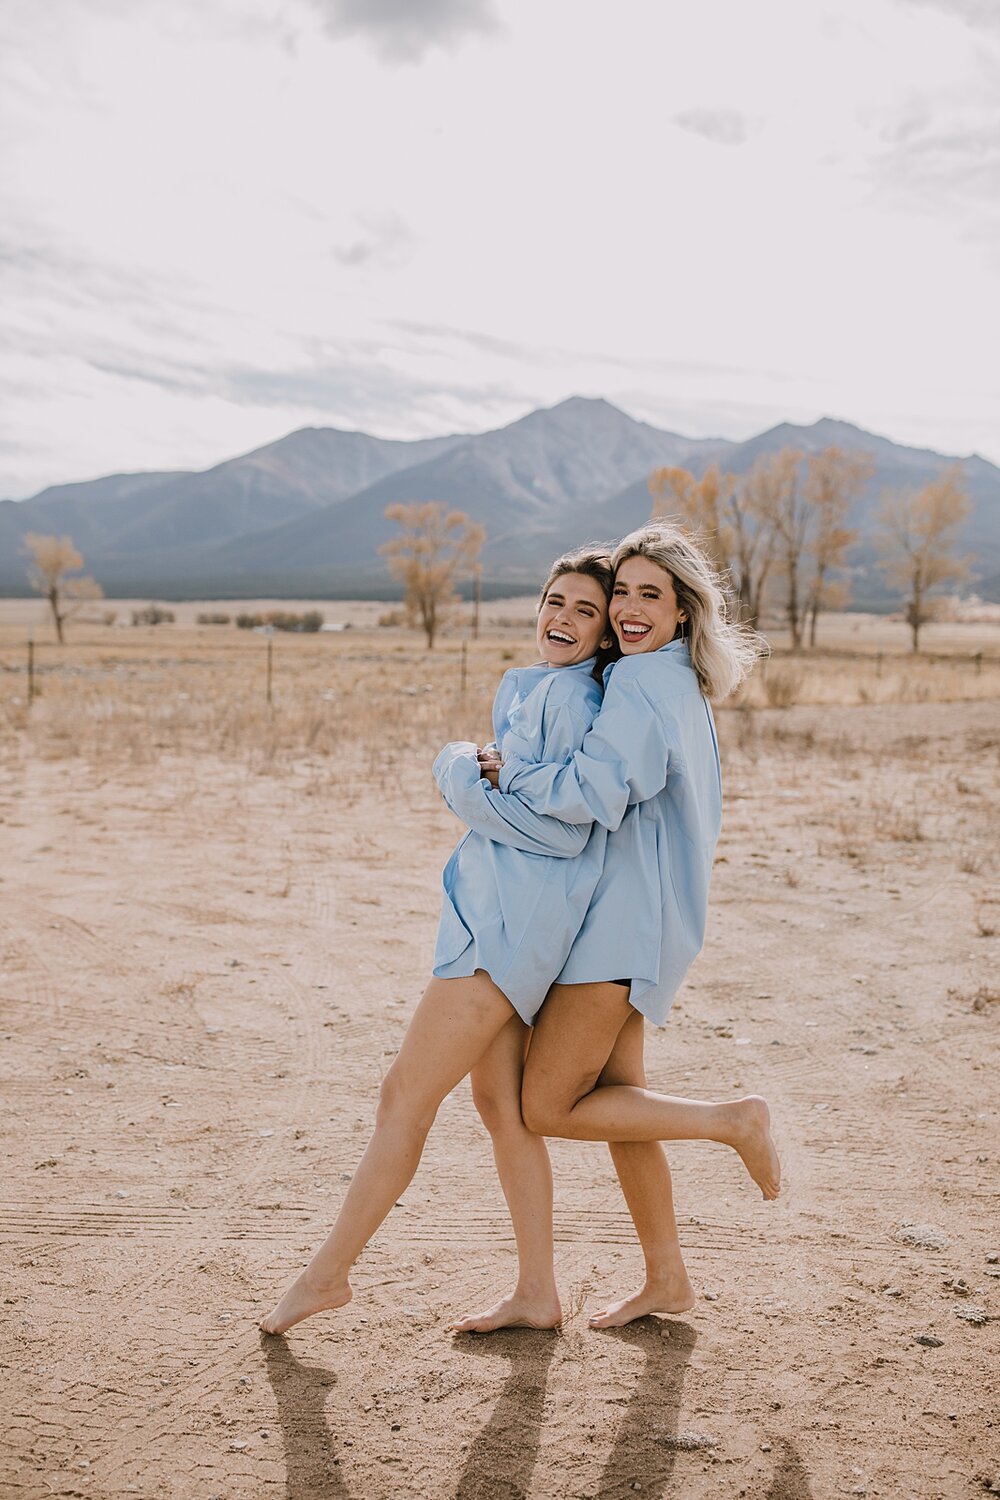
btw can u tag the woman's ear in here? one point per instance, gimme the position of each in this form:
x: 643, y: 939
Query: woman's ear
x: 606, y: 642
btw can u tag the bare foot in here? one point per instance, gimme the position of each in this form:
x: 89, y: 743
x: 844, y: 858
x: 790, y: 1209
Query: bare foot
x: 519, y: 1310
x: 303, y: 1298
x: 668, y: 1294
x: 752, y: 1139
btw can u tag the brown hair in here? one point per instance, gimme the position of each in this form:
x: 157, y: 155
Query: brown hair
x: 593, y: 562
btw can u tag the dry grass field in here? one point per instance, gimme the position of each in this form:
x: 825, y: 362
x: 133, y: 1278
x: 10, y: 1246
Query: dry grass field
x: 216, y: 915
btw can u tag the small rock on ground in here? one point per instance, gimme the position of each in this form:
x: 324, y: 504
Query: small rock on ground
x: 925, y: 1236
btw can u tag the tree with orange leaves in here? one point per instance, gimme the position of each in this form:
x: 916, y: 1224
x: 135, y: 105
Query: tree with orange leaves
x: 436, y: 547
x: 917, y: 539
x: 53, y: 560
x: 834, y: 479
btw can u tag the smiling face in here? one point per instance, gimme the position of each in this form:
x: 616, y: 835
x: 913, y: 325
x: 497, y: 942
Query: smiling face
x: 644, y: 609
x: 572, y: 620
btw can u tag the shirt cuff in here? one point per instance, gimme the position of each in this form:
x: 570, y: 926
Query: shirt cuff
x: 512, y: 764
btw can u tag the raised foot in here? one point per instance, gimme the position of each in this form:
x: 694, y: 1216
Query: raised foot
x: 519, y: 1310
x: 304, y: 1297
x: 673, y: 1294
x: 752, y: 1139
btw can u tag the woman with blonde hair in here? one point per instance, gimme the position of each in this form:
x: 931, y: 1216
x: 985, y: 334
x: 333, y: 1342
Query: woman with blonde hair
x: 516, y: 892
x: 648, y: 771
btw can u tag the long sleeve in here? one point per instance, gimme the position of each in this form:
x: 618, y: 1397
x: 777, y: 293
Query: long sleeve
x: 505, y: 820
x: 623, y: 760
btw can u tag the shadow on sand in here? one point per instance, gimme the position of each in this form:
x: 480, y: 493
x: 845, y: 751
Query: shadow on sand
x: 648, y: 1441
x: 312, y: 1470
x: 502, y: 1458
x: 790, y: 1482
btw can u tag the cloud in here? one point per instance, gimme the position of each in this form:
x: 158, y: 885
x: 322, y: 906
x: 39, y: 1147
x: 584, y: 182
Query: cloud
x: 983, y: 13
x: 441, y: 334
x: 440, y: 338
x: 385, y: 243
x: 727, y: 127
x: 402, y: 31
x: 937, y: 165
x: 361, y: 389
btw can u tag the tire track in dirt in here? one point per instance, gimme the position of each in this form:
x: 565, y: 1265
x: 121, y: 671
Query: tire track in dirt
x: 214, y: 1225
x: 301, y: 978
x: 192, y: 1389
x: 792, y: 1344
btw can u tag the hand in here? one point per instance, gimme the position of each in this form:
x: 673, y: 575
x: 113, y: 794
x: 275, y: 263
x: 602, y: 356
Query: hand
x: 491, y: 772
x: 488, y: 757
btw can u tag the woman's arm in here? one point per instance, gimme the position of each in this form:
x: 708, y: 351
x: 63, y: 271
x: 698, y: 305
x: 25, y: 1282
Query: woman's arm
x: 505, y: 820
x: 551, y: 724
x: 623, y: 760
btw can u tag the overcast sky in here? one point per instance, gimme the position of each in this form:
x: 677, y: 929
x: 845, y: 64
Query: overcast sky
x: 225, y: 219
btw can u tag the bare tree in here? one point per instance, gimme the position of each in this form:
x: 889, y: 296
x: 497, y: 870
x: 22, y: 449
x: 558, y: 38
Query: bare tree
x: 769, y: 520
x: 918, y: 532
x: 791, y: 524
x: 53, y: 560
x: 834, y: 479
x: 701, y: 503
x: 735, y: 516
x: 436, y: 547
x: 754, y: 507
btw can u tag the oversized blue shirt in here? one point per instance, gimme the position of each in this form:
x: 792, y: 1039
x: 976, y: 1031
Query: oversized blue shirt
x: 517, y: 888
x: 649, y: 771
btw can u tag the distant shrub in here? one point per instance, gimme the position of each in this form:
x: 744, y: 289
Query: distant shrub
x: 782, y: 686
x: 392, y: 617
x: 281, y: 619
x: 212, y: 619
x: 153, y: 615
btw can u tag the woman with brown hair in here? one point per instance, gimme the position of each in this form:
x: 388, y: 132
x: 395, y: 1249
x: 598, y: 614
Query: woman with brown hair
x: 516, y: 893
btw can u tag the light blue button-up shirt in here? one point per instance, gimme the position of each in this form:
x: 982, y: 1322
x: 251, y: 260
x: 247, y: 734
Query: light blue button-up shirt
x: 649, y: 771
x: 517, y: 888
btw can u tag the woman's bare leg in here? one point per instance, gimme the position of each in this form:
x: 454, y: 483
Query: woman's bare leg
x: 646, y: 1183
x: 573, y: 1040
x: 454, y: 1024
x: 526, y: 1178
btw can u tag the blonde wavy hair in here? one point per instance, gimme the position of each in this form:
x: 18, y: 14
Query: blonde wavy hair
x: 723, y: 651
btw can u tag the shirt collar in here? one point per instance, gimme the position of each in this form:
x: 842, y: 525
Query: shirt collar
x: 542, y: 668
x: 678, y: 648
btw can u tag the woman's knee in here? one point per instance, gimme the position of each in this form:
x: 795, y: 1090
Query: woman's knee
x: 546, y: 1111
x: 402, y: 1101
x: 498, y: 1108
x: 549, y: 1095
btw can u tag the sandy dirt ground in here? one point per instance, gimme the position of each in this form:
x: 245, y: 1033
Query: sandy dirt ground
x: 204, y: 971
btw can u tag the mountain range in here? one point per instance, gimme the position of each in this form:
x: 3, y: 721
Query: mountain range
x: 304, y: 516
